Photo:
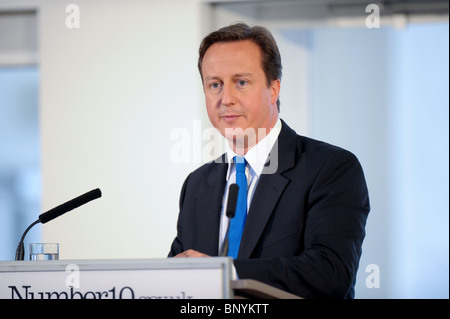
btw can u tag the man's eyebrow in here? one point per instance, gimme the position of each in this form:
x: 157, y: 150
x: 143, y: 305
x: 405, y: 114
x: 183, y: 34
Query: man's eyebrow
x: 211, y: 77
x: 234, y: 76
x: 242, y: 75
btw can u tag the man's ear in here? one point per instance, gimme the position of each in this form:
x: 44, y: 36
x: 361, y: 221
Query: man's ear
x: 275, y: 86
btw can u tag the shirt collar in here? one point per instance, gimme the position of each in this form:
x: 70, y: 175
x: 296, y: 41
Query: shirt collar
x: 256, y: 156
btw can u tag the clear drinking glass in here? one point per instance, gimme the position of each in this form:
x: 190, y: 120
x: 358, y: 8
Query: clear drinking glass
x: 44, y: 251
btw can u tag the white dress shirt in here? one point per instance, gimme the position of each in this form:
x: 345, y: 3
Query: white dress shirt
x: 256, y: 158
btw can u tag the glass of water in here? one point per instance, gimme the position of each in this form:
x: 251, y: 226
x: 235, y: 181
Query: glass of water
x: 44, y: 251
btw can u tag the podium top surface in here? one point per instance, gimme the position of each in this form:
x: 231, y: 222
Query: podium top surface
x: 117, y: 264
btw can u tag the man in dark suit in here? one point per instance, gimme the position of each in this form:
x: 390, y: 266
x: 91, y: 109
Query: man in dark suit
x: 307, y: 200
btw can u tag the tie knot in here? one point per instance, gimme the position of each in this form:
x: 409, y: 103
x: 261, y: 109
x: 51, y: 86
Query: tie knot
x: 240, y: 163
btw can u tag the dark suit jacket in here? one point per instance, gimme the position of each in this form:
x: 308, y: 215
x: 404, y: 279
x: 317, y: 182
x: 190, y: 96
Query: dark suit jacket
x: 305, y: 224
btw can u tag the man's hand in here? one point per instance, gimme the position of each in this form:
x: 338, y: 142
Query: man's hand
x: 191, y: 253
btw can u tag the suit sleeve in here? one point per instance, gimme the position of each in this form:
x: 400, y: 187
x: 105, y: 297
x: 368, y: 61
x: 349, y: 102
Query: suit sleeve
x: 177, y: 244
x: 336, y: 213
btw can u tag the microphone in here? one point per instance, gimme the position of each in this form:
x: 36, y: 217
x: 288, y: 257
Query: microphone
x: 56, y: 212
x: 230, y: 211
x: 232, y: 200
x: 68, y: 206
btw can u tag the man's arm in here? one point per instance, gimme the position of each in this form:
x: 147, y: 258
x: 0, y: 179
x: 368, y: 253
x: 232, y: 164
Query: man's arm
x: 177, y: 244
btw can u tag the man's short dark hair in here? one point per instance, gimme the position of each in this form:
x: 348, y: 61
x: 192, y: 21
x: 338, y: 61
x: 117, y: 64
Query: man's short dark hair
x: 271, y: 59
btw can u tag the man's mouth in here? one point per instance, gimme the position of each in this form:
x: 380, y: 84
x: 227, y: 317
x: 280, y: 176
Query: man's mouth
x: 229, y: 117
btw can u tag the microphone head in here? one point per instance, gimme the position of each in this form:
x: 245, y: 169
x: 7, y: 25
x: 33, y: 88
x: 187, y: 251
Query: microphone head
x: 68, y: 206
x: 232, y: 200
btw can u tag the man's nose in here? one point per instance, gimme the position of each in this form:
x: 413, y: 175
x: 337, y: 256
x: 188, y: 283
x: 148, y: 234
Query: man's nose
x: 228, y: 95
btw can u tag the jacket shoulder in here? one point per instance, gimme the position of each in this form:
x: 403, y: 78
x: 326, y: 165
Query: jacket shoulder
x: 312, y: 148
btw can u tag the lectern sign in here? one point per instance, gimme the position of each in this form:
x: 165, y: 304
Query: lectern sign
x: 173, y: 278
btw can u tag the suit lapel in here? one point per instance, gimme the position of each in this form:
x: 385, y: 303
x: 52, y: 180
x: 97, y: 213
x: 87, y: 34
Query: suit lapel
x: 269, y: 189
x: 211, y: 205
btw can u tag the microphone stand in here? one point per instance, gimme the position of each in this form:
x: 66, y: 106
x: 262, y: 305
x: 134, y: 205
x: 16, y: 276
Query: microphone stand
x: 20, y: 251
x: 230, y: 211
x: 224, y: 250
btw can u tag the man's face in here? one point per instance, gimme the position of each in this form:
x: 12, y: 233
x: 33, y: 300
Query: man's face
x: 236, y: 92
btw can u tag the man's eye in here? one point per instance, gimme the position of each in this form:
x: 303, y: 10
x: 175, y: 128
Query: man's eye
x: 215, y: 85
x: 242, y: 82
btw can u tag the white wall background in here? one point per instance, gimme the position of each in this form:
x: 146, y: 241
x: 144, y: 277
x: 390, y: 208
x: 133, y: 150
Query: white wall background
x: 112, y: 91
x: 116, y: 92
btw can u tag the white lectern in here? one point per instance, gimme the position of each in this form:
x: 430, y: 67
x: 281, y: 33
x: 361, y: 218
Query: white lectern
x: 170, y: 278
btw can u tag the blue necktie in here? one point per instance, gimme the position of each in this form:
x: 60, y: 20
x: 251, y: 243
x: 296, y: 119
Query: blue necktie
x: 237, y: 223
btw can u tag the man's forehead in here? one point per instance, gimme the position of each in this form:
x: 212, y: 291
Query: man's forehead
x: 246, y: 43
x: 233, y: 58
